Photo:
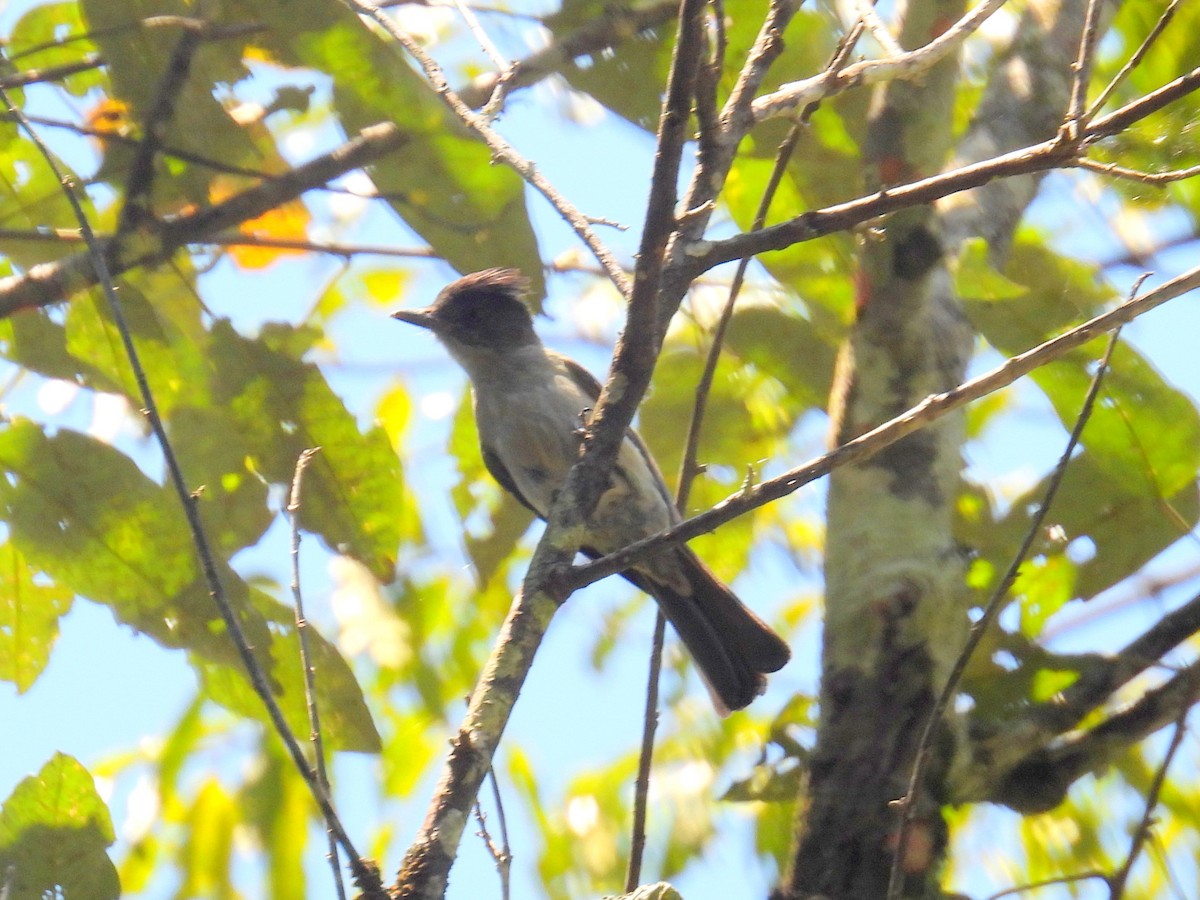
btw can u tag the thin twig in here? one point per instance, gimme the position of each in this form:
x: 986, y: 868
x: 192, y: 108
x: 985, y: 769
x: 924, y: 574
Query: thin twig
x: 1154, y: 178
x: 871, y: 442
x: 1135, y: 60
x: 137, y: 208
x: 1082, y: 67
x: 1048, y: 882
x: 868, y: 16
x: 306, y: 660
x: 501, y: 853
x: 481, y: 36
x: 908, y: 804
x: 50, y: 73
x: 502, y: 150
x: 346, y: 251
x: 1116, y: 883
x: 912, y: 64
x: 641, y: 788
x: 103, y: 277
x: 493, y: 53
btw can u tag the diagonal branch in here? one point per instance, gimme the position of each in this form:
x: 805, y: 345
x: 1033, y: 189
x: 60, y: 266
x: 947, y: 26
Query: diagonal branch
x: 799, y: 94
x: 616, y: 25
x: 1041, y: 157
x: 50, y: 73
x: 1039, y: 781
x: 97, y: 259
x: 54, y: 282
x: 502, y: 150
x: 425, y: 870
x: 869, y: 443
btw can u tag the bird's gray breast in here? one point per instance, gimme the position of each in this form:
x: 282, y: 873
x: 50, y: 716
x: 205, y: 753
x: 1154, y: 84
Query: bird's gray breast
x: 533, y: 425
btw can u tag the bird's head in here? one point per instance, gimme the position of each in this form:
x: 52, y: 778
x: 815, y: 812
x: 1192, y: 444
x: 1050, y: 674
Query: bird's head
x: 482, y: 310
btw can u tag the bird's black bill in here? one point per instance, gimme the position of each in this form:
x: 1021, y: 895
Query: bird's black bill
x: 419, y: 317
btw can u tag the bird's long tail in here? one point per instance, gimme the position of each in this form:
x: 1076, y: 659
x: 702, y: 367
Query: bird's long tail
x: 733, y: 648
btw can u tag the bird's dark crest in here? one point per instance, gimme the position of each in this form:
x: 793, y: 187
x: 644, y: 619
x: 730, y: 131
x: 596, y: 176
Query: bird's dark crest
x: 506, y: 282
x: 486, y: 309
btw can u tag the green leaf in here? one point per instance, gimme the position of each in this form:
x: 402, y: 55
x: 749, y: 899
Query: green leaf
x: 54, y: 831
x: 977, y: 279
x: 1132, y: 491
x: 83, y: 512
x: 629, y: 77
x: 137, y: 55
x: 442, y: 182
x: 277, y: 805
x: 786, y: 347
x: 163, y: 313
x: 32, y: 198
x: 106, y: 531
x: 353, y: 494
x: 208, y: 851
x: 345, y: 719
x: 1058, y: 292
x: 29, y: 613
x: 40, y: 40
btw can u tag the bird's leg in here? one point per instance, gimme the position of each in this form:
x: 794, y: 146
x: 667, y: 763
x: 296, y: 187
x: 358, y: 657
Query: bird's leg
x: 583, y: 420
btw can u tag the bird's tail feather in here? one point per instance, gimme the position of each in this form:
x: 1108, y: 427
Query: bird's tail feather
x: 732, y: 647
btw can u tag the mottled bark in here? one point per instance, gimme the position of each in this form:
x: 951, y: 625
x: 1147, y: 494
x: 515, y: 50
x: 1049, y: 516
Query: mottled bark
x: 895, y: 603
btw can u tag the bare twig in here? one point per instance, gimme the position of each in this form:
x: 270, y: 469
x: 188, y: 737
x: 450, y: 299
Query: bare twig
x: 1154, y: 178
x: 871, y: 442
x: 1116, y: 883
x: 481, y: 36
x: 137, y: 208
x: 912, y: 64
x: 501, y: 853
x: 502, y: 150
x: 641, y: 787
x: 1082, y: 67
x: 346, y: 251
x: 867, y: 15
x: 618, y: 23
x: 1048, y: 882
x: 306, y: 661
x: 1135, y: 60
x: 908, y: 804
x: 98, y: 259
x: 50, y: 73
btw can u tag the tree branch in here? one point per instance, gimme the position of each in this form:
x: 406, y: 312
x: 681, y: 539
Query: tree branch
x: 1041, y: 157
x: 799, y: 94
x: 1040, y: 781
x: 96, y: 258
x: 53, y: 282
x: 502, y: 150
x: 868, y: 444
x: 617, y: 25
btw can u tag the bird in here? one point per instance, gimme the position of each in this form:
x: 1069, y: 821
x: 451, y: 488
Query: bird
x: 531, y: 405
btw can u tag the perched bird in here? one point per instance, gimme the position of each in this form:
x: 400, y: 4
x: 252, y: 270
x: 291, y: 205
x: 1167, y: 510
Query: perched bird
x: 530, y: 404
